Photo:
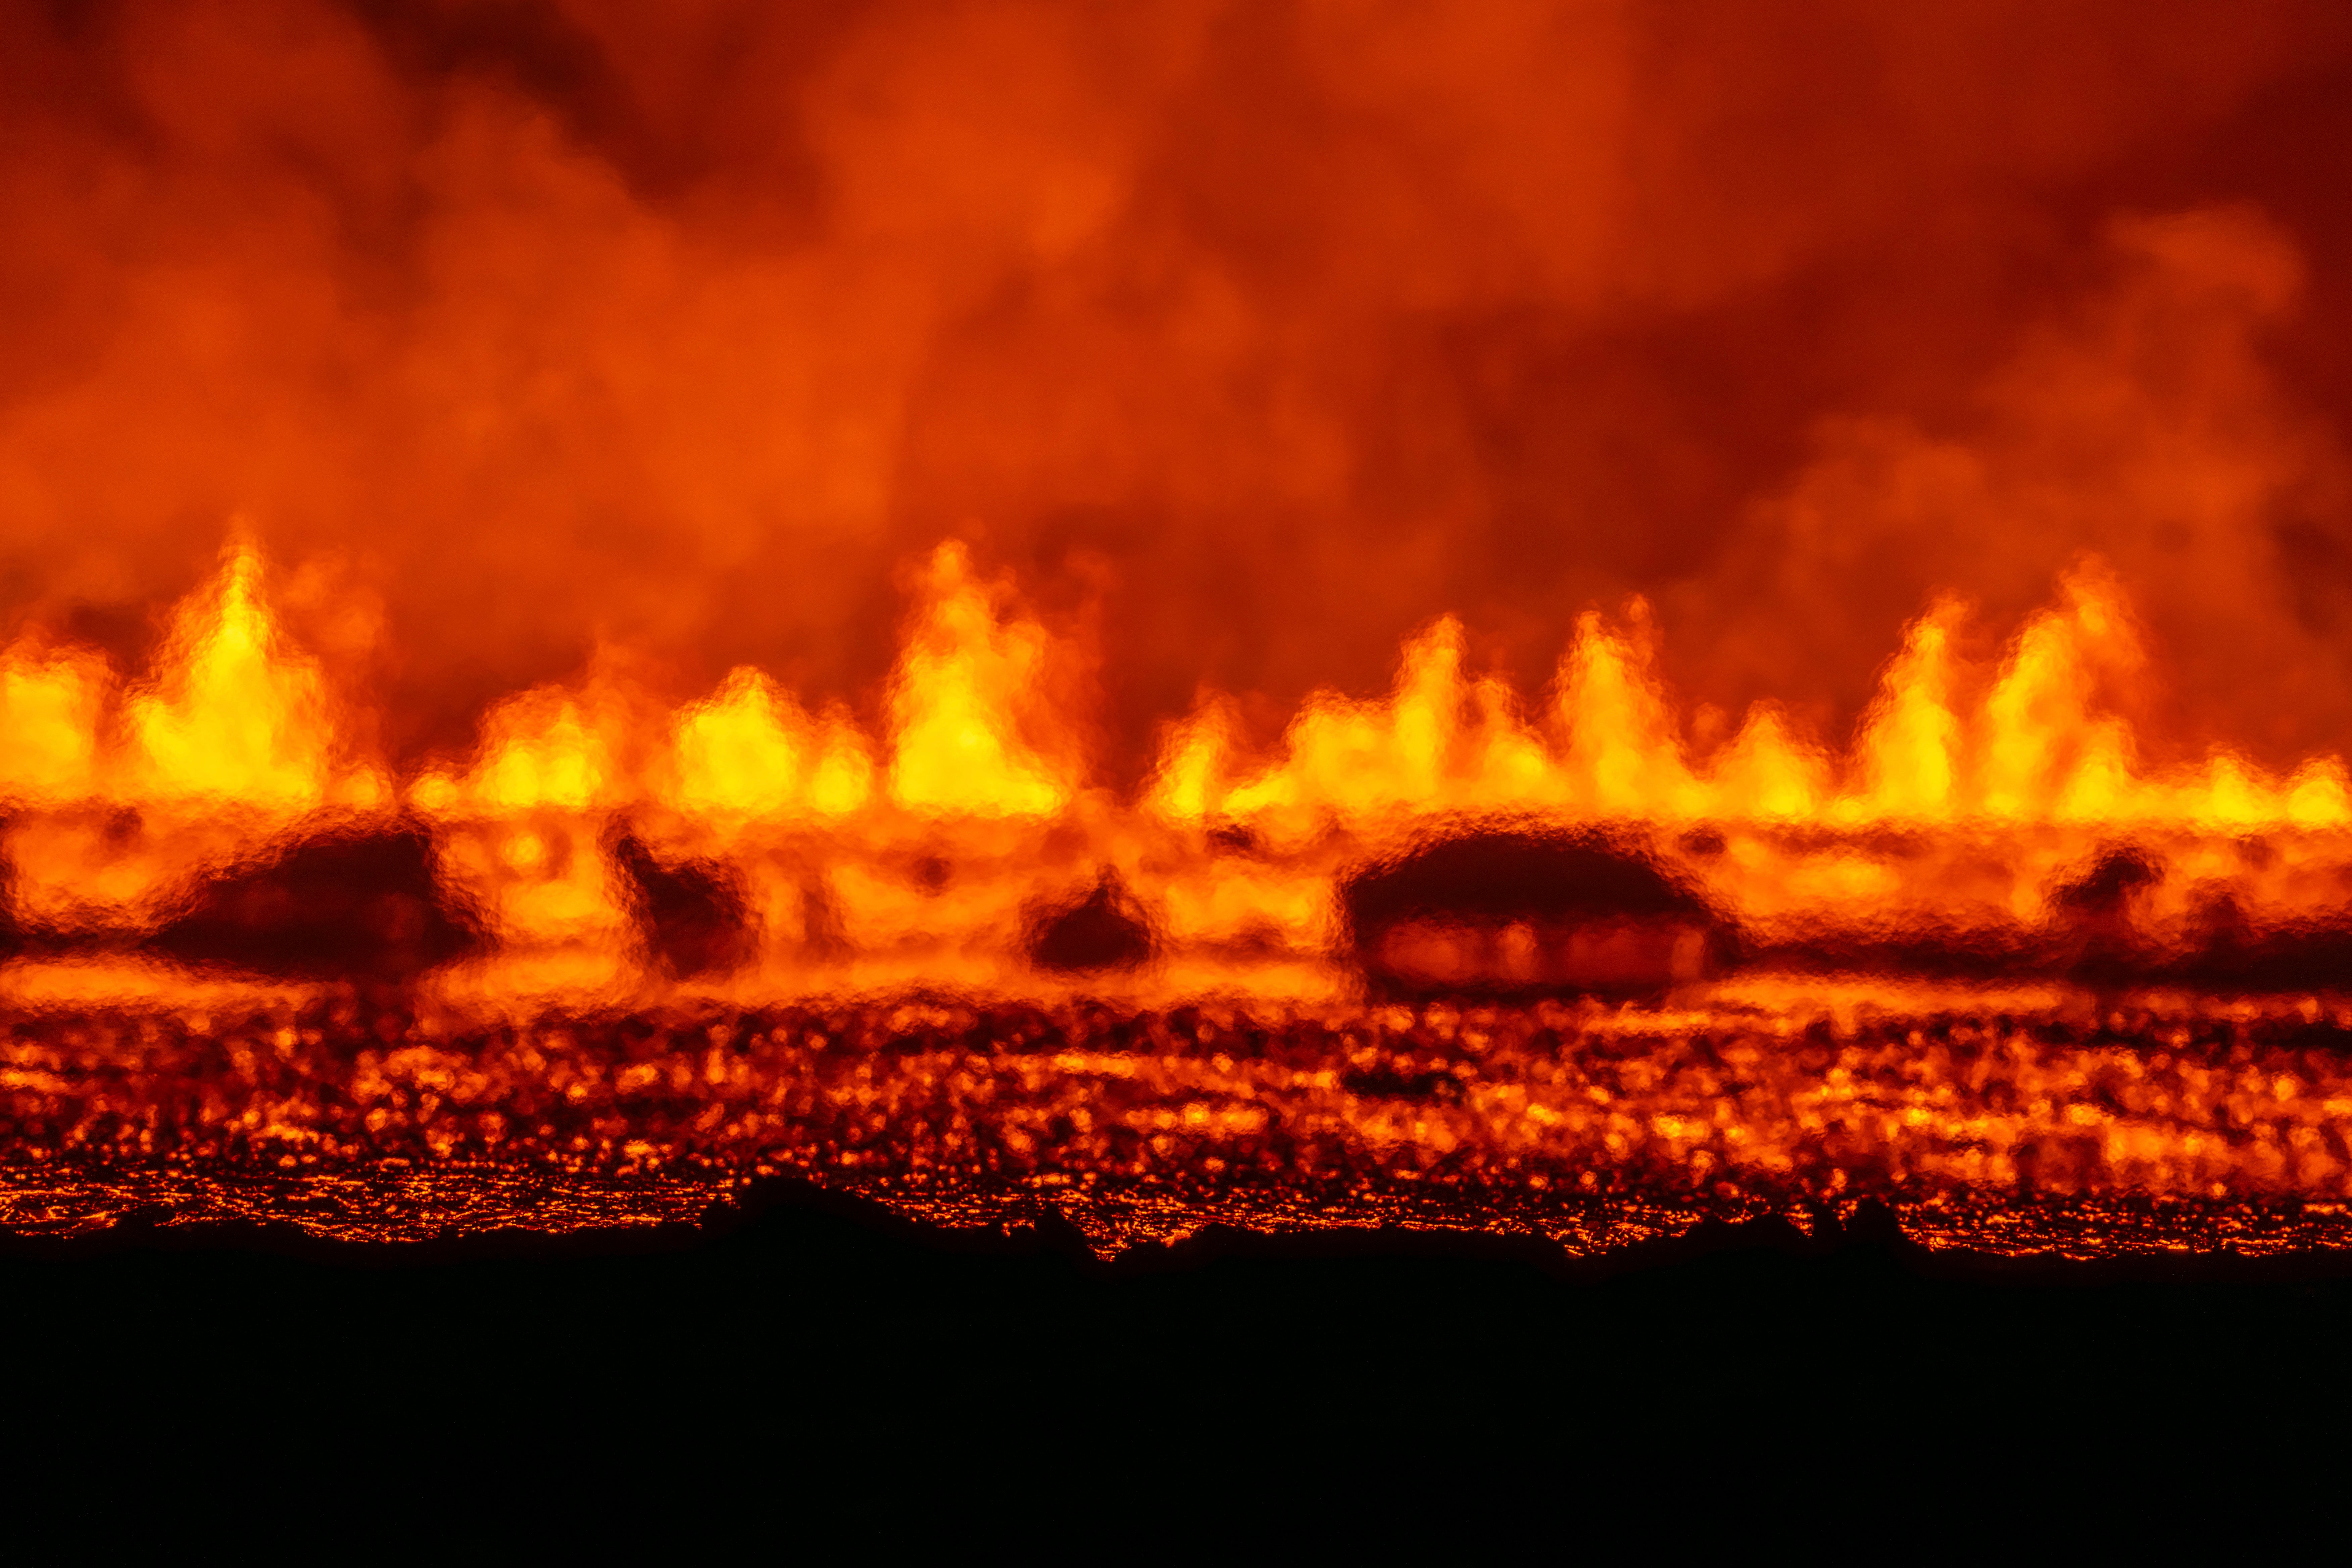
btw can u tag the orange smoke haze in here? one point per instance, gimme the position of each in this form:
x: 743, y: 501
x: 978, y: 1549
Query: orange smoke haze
x: 1250, y: 336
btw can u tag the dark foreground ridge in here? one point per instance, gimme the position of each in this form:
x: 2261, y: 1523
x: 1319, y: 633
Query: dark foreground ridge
x: 783, y: 1217
x: 836, y: 1318
x: 804, y: 1357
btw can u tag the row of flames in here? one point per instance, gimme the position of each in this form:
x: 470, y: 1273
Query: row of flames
x: 235, y: 715
x: 237, y: 741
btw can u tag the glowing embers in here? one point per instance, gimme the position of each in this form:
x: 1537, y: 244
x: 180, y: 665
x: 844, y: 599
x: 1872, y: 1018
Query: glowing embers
x: 1984, y: 1117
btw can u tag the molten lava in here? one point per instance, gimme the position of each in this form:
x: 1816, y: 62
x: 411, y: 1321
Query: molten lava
x: 606, y: 851
x: 545, y: 785
x: 1758, y: 936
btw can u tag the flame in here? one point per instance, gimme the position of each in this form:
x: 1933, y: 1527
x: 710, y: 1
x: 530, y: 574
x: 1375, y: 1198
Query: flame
x: 956, y: 701
x: 750, y: 751
x: 1908, y: 756
x: 136, y: 794
x: 923, y: 852
x: 49, y: 708
x: 232, y: 717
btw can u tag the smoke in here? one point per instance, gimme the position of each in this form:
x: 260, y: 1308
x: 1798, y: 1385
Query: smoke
x: 1249, y: 334
x: 2141, y: 426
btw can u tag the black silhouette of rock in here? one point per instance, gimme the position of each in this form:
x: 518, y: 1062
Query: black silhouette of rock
x: 2109, y: 884
x: 1103, y: 930
x: 352, y: 906
x: 1526, y: 875
x: 2096, y: 939
x: 1502, y: 912
x: 691, y: 917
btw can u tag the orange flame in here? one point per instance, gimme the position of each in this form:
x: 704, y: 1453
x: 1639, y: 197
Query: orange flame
x: 918, y: 854
x: 955, y: 703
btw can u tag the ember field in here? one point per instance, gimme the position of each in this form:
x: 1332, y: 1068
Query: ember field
x: 2002, y: 1122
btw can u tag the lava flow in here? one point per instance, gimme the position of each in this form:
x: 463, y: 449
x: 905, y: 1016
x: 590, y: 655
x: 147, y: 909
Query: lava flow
x: 602, y: 602
x: 1439, y: 959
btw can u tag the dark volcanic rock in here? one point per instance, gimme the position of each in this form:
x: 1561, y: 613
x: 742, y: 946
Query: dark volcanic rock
x: 2096, y: 939
x: 361, y: 905
x: 1521, y: 874
x: 2109, y: 884
x: 1509, y: 913
x: 1105, y: 930
x: 2100, y: 941
x: 692, y: 916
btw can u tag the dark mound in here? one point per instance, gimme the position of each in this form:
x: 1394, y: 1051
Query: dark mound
x: 1519, y: 875
x: 363, y: 905
x: 691, y: 917
x: 2108, y: 886
x: 2099, y: 943
x: 1105, y: 930
x: 1562, y: 887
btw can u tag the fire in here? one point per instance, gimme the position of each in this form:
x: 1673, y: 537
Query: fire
x: 138, y: 792
x: 1585, y: 396
x: 51, y: 703
x: 233, y: 716
x: 954, y: 705
x: 1968, y: 804
x: 2036, y: 749
x: 751, y: 753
